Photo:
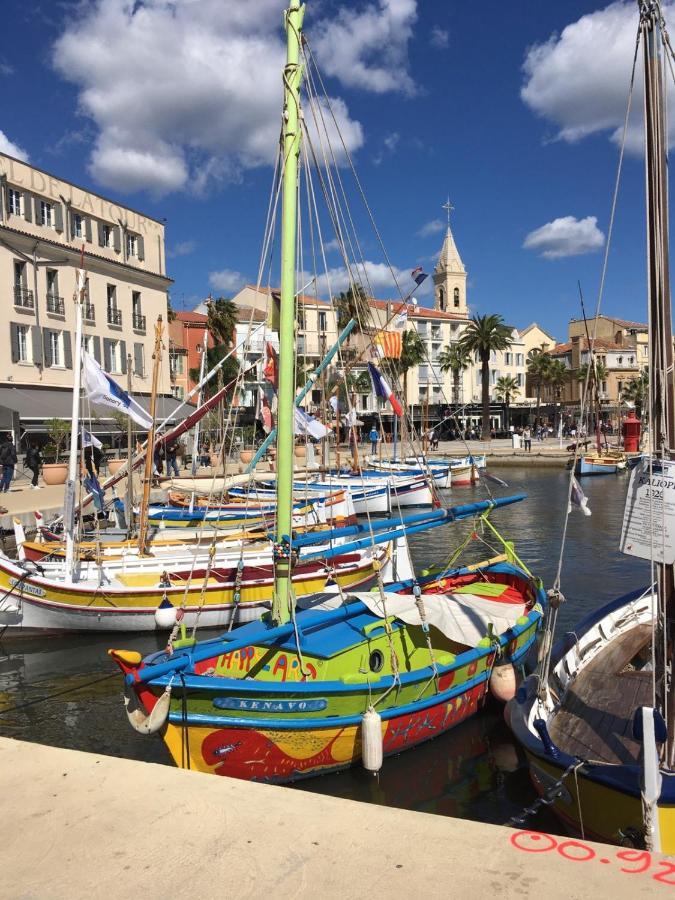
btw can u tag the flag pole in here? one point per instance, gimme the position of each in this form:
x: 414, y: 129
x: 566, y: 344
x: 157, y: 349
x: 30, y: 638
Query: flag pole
x: 69, y: 495
x: 149, y: 456
x: 130, y: 453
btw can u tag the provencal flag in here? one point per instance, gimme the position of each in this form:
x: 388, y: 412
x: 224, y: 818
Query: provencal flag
x: 103, y: 391
x: 389, y: 344
x: 383, y: 390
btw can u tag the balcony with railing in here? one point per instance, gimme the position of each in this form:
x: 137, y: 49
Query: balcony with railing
x: 115, y: 318
x: 55, y: 305
x: 138, y: 322
x: 23, y: 298
x: 89, y: 312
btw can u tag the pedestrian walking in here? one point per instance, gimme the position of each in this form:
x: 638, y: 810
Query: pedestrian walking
x: 33, y: 461
x: 8, y: 460
x: 374, y: 437
x: 171, y: 462
x: 527, y: 438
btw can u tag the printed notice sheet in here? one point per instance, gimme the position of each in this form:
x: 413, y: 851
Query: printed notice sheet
x: 649, y: 517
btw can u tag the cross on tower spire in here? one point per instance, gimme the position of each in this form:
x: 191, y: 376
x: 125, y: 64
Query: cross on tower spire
x: 449, y: 208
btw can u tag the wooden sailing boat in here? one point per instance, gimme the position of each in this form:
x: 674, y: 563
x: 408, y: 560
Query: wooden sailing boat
x: 359, y: 675
x: 597, y: 722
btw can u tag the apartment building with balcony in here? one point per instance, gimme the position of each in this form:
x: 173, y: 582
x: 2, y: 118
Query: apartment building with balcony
x: 48, y: 227
x: 188, y: 335
x: 620, y: 363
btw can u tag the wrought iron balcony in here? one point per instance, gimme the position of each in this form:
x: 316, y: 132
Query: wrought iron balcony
x: 55, y: 305
x: 139, y: 322
x: 115, y: 317
x: 89, y: 312
x: 23, y: 298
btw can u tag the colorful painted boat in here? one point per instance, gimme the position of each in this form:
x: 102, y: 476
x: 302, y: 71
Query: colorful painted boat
x: 412, y: 466
x: 600, y: 464
x: 264, y: 705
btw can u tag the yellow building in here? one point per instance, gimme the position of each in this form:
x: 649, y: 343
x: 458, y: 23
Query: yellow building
x: 45, y: 225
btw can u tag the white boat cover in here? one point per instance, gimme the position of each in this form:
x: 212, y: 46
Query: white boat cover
x: 463, y: 618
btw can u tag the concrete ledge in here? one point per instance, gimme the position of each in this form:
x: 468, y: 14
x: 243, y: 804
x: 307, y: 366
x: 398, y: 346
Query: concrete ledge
x: 81, y: 825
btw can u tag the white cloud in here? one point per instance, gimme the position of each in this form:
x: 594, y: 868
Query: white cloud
x: 368, y: 49
x: 227, y: 280
x: 566, y: 236
x: 439, y: 37
x: 12, y: 149
x: 6, y: 68
x: 578, y: 80
x: 197, y: 98
x: 182, y: 248
x: 389, y: 144
x: 433, y: 227
x: 374, y: 276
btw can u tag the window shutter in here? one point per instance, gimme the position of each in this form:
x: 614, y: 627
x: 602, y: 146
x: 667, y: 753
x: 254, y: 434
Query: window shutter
x: 14, y: 331
x: 116, y: 238
x: 87, y: 230
x: 36, y: 340
x: 38, y: 210
x: 101, y: 237
x: 67, y: 350
x: 4, y: 204
x: 140, y: 243
x: 46, y: 336
x: 138, y: 359
x: 123, y: 354
x: 27, y: 206
x: 97, y: 349
x: 58, y: 217
x: 106, y: 354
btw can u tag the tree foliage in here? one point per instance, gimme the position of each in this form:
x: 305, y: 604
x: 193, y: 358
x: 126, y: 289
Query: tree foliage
x: 483, y: 336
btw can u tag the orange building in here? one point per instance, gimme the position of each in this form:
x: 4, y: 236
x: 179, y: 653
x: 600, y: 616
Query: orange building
x: 186, y: 343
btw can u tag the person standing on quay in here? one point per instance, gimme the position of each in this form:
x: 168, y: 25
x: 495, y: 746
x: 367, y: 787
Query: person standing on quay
x: 527, y: 438
x: 374, y: 437
x: 8, y: 459
x: 33, y: 461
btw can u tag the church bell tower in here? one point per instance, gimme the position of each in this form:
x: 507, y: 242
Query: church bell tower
x: 450, y: 276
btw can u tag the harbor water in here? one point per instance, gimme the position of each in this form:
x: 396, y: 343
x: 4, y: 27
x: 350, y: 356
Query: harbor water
x: 65, y: 692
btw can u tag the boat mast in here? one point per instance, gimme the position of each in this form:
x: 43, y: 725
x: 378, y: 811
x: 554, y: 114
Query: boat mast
x: 130, y: 456
x: 662, y: 424
x: 69, y: 496
x: 149, y: 455
x: 286, y: 388
x: 195, y: 434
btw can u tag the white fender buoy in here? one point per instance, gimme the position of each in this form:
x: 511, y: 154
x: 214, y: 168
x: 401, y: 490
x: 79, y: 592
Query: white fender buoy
x: 165, y: 614
x: 155, y: 719
x: 371, y: 740
x: 503, y: 682
x: 19, y: 537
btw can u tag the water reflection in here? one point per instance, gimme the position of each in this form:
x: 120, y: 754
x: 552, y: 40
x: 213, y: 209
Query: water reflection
x: 474, y: 771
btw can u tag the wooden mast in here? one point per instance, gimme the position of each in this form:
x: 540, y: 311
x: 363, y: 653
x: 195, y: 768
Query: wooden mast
x: 150, y: 446
x: 660, y: 328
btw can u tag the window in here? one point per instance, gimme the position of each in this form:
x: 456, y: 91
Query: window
x: 139, y: 359
x: 508, y: 359
x: 456, y: 298
x: 132, y: 245
x: 441, y: 298
x: 619, y: 387
x: 322, y: 321
x: 23, y: 343
x: 19, y: 273
x: 107, y: 236
x: 114, y: 314
x: 52, y: 283
x: 88, y: 344
x: 519, y: 379
x: 136, y: 312
x: 620, y: 360
x: 46, y: 214
x: 180, y: 365
x: 631, y: 360
x: 115, y: 357
x: 55, y: 341
x: 520, y: 359
x: 14, y: 201
x: 77, y: 225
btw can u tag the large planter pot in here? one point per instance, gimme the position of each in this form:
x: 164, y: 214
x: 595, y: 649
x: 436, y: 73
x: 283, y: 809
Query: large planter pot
x: 215, y: 459
x: 300, y: 451
x: 246, y: 455
x: 114, y: 465
x: 55, y: 473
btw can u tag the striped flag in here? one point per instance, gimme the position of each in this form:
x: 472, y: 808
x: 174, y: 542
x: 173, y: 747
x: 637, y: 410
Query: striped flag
x: 383, y: 390
x: 418, y: 275
x: 389, y: 344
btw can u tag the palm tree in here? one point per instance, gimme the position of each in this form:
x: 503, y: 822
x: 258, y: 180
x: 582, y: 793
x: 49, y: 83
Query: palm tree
x: 454, y: 358
x: 352, y: 304
x: 413, y: 352
x: 537, y: 367
x: 506, y: 389
x: 555, y: 377
x: 221, y: 320
x: 228, y: 371
x: 483, y: 336
x: 636, y: 391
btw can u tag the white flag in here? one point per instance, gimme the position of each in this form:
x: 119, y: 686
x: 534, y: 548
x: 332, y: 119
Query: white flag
x: 102, y: 390
x: 578, y: 498
x: 306, y: 424
x: 90, y: 440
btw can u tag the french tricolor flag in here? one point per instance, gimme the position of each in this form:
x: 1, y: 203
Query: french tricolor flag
x: 383, y: 390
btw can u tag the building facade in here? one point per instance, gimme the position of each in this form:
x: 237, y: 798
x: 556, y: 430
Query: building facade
x: 188, y: 335
x: 48, y: 228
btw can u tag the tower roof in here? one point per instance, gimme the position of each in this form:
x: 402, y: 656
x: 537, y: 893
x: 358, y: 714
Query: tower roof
x: 449, y: 260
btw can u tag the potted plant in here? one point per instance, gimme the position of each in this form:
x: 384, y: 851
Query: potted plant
x: 57, y: 471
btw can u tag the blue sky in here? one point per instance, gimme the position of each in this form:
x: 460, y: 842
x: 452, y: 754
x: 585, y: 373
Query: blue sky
x: 510, y: 108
